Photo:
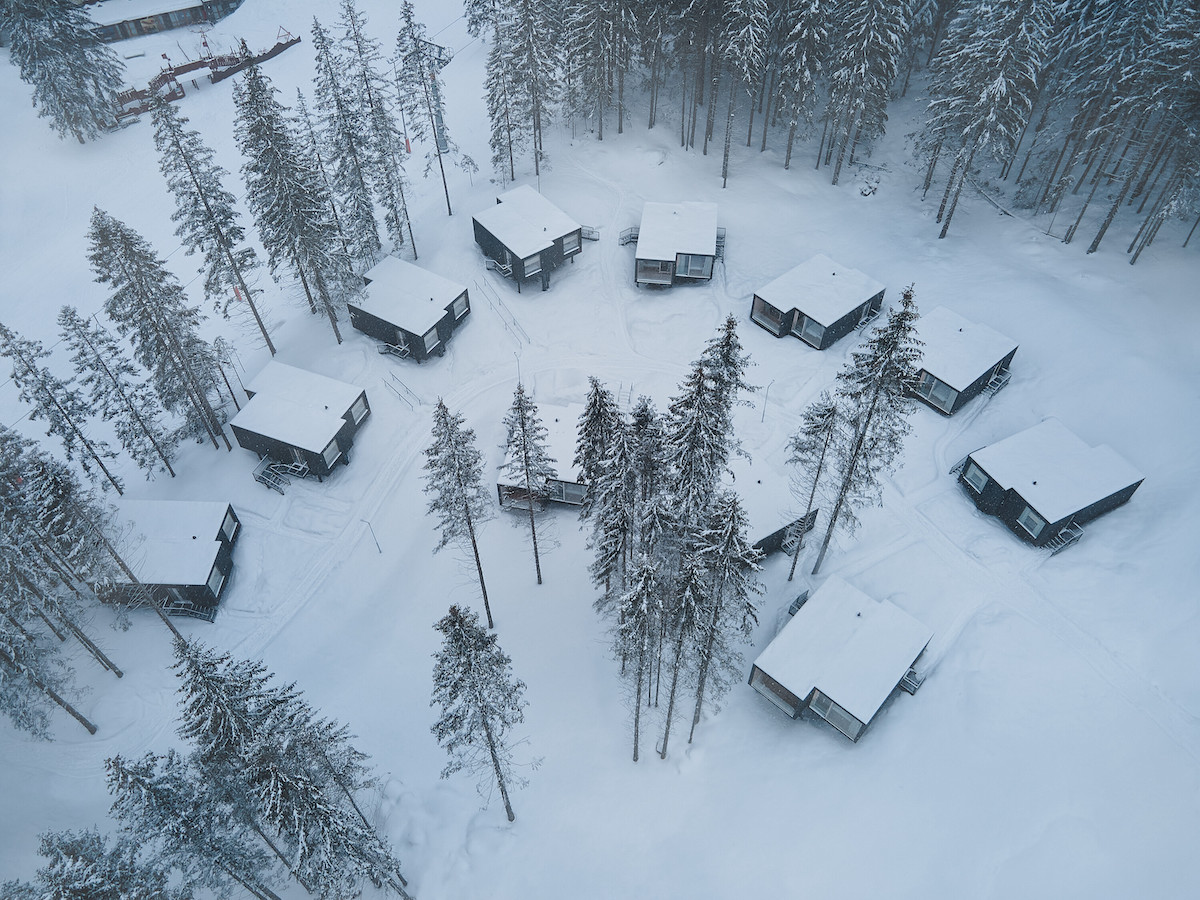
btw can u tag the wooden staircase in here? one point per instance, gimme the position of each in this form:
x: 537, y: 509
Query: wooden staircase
x: 493, y: 265
x: 998, y: 382
x: 1070, y: 534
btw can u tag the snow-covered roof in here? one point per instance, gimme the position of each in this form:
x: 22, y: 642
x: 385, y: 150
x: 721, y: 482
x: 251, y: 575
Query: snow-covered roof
x: 1054, y: 471
x: 177, y: 540
x: 525, y: 221
x: 668, y: 229
x: 821, y: 289
x: 852, y: 648
x: 296, y: 406
x: 562, y: 426
x: 113, y: 12
x: 957, y: 350
x: 413, y: 298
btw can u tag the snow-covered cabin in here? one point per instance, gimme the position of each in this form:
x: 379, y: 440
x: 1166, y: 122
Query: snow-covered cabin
x: 410, y: 310
x: 119, y: 19
x: 182, y: 554
x: 676, y: 242
x: 561, y: 423
x: 299, y: 417
x: 1045, y: 482
x: 960, y: 359
x: 840, y: 657
x: 526, y: 235
x: 818, y: 301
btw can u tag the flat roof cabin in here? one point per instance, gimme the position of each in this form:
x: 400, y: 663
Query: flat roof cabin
x: 301, y: 418
x: 818, y: 301
x: 527, y: 235
x: 960, y: 360
x: 676, y: 241
x: 561, y: 423
x: 183, y: 556
x: 840, y: 657
x: 117, y: 20
x: 1045, y: 482
x: 411, y: 311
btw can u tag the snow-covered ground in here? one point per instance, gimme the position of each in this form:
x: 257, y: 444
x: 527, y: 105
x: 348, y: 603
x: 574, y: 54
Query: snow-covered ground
x: 1053, y: 749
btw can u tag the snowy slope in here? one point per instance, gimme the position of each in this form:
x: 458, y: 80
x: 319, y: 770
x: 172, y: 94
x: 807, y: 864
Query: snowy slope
x: 1052, y: 751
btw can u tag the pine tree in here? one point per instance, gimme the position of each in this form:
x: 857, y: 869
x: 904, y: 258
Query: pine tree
x: 287, y: 198
x: 803, y: 57
x: 614, y: 512
x: 725, y: 361
x: 109, y: 376
x: 527, y: 460
x: 600, y: 419
x: 75, y: 77
x: 505, y: 140
x: 454, y: 483
x: 480, y: 700
x: 586, y: 51
x: 204, y: 209
x: 527, y: 36
x: 697, y: 444
x: 811, y: 451
x: 57, y: 402
x: 480, y: 16
x: 875, y: 390
x: 648, y: 435
x: 81, y: 866
x: 639, y: 614
x: 746, y: 26
x: 148, y: 305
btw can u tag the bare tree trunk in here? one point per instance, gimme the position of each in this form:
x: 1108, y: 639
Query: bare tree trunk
x: 48, y: 691
x: 478, y: 565
x: 671, y: 695
x: 637, y: 696
x: 491, y: 742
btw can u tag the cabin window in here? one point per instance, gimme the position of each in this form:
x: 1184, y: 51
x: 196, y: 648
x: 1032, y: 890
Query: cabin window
x: 460, y: 307
x: 937, y: 392
x: 573, y: 493
x: 358, y: 411
x: 770, y: 688
x: 820, y: 704
x: 229, y: 526
x: 216, y: 578
x: 571, y: 243
x: 975, y: 477
x: 533, y: 264
x: 431, y: 339
x: 767, y: 315
x: 655, y: 271
x: 331, y: 453
x: 1031, y: 521
x: 843, y: 721
x: 693, y: 265
x: 810, y: 331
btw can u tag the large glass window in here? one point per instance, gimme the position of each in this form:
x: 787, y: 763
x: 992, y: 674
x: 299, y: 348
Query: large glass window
x: 431, y: 339
x: 332, y: 452
x: 358, y: 411
x: 460, y: 307
x: 571, y: 243
x: 654, y: 271
x: 229, y: 527
x: 767, y: 315
x: 533, y: 264
x: 937, y: 392
x: 810, y: 331
x: 1031, y: 521
x: 975, y: 477
x: 692, y: 265
x: 216, y: 578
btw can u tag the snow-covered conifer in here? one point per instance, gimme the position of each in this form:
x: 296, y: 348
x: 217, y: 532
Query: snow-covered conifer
x: 614, y: 514
x: 527, y: 35
x: 480, y: 699
x: 811, y: 451
x: 697, y: 444
x: 802, y: 60
x: 599, y: 421
x: 745, y: 26
x: 80, y: 864
x: 506, y: 139
x: 683, y: 620
x: 639, y: 616
x: 726, y: 362
x: 527, y: 460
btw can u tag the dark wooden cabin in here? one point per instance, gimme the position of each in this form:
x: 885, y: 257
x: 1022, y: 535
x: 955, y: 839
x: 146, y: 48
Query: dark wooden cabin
x: 960, y: 360
x: 676, y: 242
x: 300, y: 418
x: 840, y: 657
x: 568, y: 488
x: 1045, y: 482
x: 182, y: 554
x: 411, y: 311
x: 818, y: 302
x: 117, y: 20
x: 526, y: 235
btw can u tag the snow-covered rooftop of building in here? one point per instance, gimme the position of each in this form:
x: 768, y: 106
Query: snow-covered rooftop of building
x: 413, y: 298
x: 562, y: 424
x: 111, y: 12
x: 957, y: 350
x: 668, y: 229
x: 821, y: 289
x: 1054, y: 471
x: 296, y: 406
x: 302, y: 386
x: 525, y: 221
x: 174, y: 541
x: 851, y: 647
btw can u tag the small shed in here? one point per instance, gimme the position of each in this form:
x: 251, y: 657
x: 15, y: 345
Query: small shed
x: 527, y: 235
x: 676, y: 242
x: 961, y: 359
x: 182, y: 555
x: 1045, y: 482
x: 300, y: 418
x: 411, y: 311
x: 561, y: 424
x: 840, y: 657
x: 818, y: 301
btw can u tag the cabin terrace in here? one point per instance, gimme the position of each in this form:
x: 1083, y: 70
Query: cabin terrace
x: 818, y: 302
x: 182, y: 555
x: 840, y: 656
x: 119, y: 19
x: 525, y: 235
x: 561, y: 424
x: 676, y: 242
x: 411, y: 311
x: 1044, y: 482
x: 301, y: 419
x: 960, y: 360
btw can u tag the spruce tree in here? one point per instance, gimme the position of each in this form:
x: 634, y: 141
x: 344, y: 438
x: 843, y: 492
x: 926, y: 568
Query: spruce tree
x: 527, y: 460
x: 726, y: 362
x: 639, y: 615
x: 614, y: 513
x: 480, y: 699
x: 527, y: 36
x: 289, y: 202
x: 875, y: 390
x: 697, y: 444
x: 600, y: 419
x: 110, y: 376
x: 683, y: 617
x: 81, y: 866
x: 803, y: 57
x: 75, y: 77
x: 57, y: 402
x: 746, y: 27
x: 454, y: 483
x: 506, y: 139
x: 148, y: 305
x: 811, y: 450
